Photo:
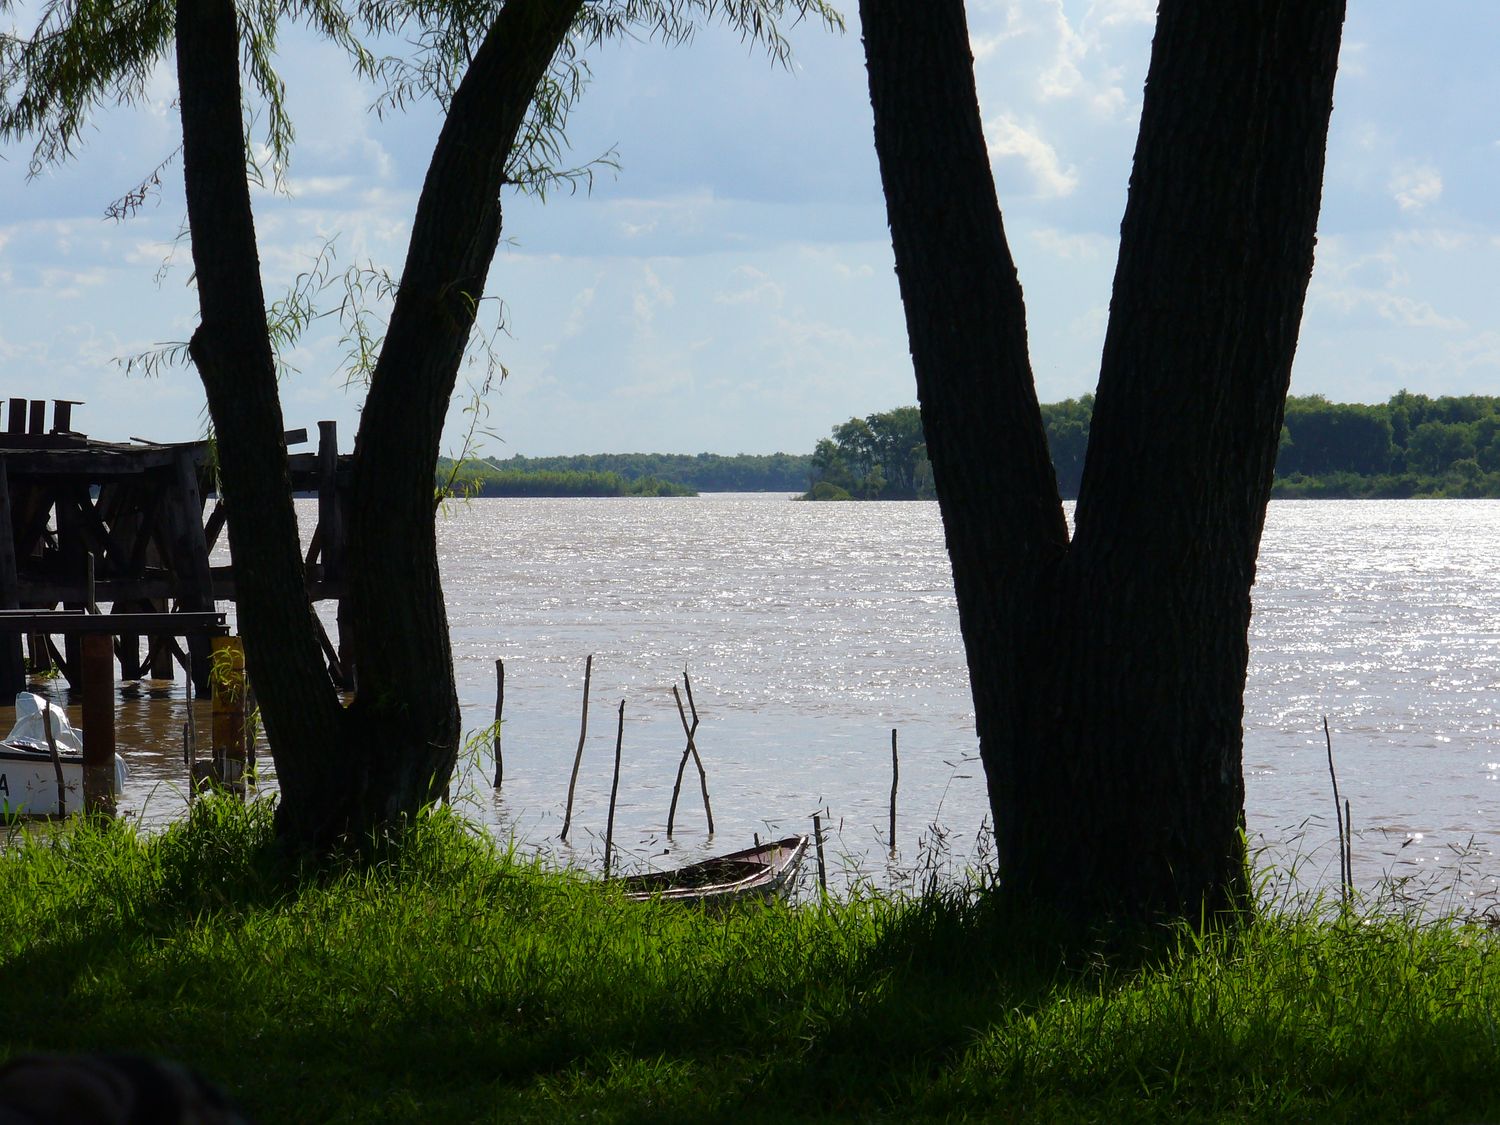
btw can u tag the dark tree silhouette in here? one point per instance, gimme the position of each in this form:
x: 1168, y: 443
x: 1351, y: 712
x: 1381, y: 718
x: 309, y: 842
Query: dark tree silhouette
x: 1108, y: 670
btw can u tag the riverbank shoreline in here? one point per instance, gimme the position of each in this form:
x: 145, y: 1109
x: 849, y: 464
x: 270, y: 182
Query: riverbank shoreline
x: 452, y: 981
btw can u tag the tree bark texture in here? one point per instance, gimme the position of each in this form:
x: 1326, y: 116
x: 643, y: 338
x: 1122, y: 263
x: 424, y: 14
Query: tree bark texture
x: 1108, y: 674
x: 347, y: 773
x: 232, y: 352
x: 406, y: 706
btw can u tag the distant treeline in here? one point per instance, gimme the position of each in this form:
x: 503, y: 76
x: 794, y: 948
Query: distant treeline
x: 703, y: 472
x: 482, y: 481
x: 1411, y: 445
x: 637, y: 474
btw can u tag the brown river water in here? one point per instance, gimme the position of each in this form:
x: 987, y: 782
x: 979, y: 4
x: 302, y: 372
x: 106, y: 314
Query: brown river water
x: 810, y: 631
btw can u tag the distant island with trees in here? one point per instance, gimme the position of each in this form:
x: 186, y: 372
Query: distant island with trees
x: 1409, y: 446
x: 629, y: 474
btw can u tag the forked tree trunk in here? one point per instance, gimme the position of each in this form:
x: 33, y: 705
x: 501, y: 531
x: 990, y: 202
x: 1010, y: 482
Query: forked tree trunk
x: 1108, y: 674
x: 350, y: 773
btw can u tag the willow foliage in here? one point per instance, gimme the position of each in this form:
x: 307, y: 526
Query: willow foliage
x: 86, y: 54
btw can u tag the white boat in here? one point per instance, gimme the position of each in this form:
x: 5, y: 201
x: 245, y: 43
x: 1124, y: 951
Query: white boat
x: 28, y: 776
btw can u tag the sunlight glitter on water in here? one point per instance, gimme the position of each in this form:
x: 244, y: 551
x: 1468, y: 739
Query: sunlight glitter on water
x: 811, y: 630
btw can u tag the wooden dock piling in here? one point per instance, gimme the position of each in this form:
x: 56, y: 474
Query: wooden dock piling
x: 229, y: 694
x: 139, y: 510
x: 96, y: 654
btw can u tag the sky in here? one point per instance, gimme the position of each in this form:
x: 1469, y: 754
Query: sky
x: 731, y: 287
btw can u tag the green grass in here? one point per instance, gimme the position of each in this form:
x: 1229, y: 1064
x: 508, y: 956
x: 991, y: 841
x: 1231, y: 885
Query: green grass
x: 457, y: 982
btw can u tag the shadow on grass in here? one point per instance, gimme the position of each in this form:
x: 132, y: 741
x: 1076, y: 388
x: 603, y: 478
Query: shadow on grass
x: 443, y: 981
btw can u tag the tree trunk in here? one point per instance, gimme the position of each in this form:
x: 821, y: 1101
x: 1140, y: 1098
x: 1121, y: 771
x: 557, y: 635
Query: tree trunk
x: 1109, y: 674
x: 406, y: 707
x: 350, y: 773
x: 232, y: 352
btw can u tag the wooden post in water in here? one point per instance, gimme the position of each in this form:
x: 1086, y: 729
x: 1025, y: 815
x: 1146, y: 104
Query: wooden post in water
x: 583, y: 727
x: 614, y: 790
x: 818, y: 842
x: 62, y: 792
x: 895, y: 777
x: 691, y: 750
x: 227, y: 660
x: 708, y: 810
x: 97, y: 661
x: 189, y: 558
x: 499, y: 708
x: 190, y: 734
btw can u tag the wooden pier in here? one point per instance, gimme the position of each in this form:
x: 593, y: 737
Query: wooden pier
x: 135, y: 525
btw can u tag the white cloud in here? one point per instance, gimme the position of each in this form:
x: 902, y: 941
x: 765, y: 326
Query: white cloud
x: 650, y: 295
x: 581, y: 305
x: 313, y: 187
x: 1072, y: 246
x: 67, y: 284
x: 1448, y: 241
x: 757, y: 288
x: 1118, y: 13
x: 1063, y: 78
x: 1009, y: 138
x: 1352, y: 55
x: 1480, y: 351
x: 985, y: 45
x: 1414, y: 188
x: 1398, y: 309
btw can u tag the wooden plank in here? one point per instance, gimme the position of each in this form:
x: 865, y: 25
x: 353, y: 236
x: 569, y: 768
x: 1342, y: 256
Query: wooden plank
x: 330, y: 523
x: 17, y: 423
x: 57, y: 658
x: 88, y: 461
x: 74, y: 623
x: 62, y: 415
x: 34, y: 506
x: 190, y: 558
x: 335, y: 669
x: 215, y: 524
x: 12, y: 668
x: 98, y: 673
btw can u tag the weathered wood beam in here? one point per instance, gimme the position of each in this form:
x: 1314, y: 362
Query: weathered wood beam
x: 12, y: 669
x: 72, y: 623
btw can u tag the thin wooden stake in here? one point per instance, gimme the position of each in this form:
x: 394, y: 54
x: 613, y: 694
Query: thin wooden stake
x: 614, y: 789
x: 583, y: 728
x: 62, y: 793
x: 1338, y: 813
x: 692, y: 749
x: 708, y: 811
x: 1349, y: 849
x: 682, y: 763
x: 895, y: 777
x: 187, y: 760
x: 192, y: 724
x: 499, y: 708
x: 818, y: 841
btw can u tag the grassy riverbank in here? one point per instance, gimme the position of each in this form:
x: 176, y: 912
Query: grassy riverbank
x: 455, y: 984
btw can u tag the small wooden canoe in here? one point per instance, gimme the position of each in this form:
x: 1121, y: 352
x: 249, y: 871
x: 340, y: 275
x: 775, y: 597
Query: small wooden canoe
x: 758, y: 874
